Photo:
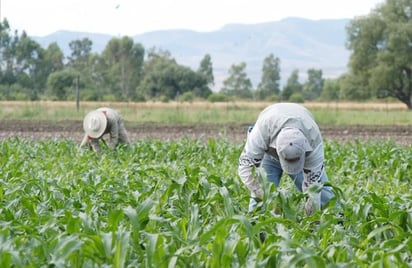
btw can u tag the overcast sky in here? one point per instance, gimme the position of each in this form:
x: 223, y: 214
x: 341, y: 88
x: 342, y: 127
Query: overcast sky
x: 131, y: 17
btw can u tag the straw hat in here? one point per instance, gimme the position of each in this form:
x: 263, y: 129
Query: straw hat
x: 94, y: 124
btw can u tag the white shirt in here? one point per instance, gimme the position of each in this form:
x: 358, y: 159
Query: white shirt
x: 262, y: 139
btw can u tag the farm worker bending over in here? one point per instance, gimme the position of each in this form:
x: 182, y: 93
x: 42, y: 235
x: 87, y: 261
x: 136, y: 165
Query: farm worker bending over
x: 103, y: 121
x: 285, y: 138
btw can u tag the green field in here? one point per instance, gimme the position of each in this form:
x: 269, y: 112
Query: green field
x: 181, y: 204
x: 333, y: 114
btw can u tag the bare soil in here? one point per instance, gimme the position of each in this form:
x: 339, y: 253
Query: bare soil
x: 72, y: 130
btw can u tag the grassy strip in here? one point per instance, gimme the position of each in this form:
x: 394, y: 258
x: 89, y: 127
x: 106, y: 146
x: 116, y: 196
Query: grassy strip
x: 206, y: 113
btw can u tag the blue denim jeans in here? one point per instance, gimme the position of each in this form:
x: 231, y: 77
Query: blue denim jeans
x: 274, y: 173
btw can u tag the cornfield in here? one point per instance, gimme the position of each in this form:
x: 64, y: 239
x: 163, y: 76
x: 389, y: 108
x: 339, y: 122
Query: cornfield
x: 181, y: 204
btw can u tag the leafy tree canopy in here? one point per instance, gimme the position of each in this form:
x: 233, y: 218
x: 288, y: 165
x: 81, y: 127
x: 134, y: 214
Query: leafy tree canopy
x: 164, y: 78
x: 382, y: 51
x: 269, y: 84
x: 206, y: 69
x: 293, y: 86
x: 238, y: 84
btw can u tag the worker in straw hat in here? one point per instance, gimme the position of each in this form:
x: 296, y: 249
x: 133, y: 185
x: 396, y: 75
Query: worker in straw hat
x: 104, y: 121
x: 285, y: 139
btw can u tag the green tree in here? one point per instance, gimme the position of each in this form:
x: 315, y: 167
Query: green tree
x: 354, y: 87
x: 122, y: 62
x: 86, y: 64
x: 206, y: 69
x: 28, y: 53
x: 269, y: 83
x: 60, y: 83
x: 54, y: 57
x: 330, y: 90
x: 23, y: 58
x: 293, y: 86
x: 7, y: 43
x: 81, y: 51
x: 153, y: 69
x: 312, y: 88
x: 95, y: 83
x: 164, y: 79
x: 381, y: 50
x: 51, y: 60
x: 26, y: 63
x: 237, y: 84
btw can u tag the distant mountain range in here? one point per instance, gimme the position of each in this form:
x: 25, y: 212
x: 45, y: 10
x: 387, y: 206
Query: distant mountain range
x: 298, y: 43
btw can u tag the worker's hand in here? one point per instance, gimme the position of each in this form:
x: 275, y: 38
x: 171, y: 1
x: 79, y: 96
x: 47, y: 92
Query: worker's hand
x: 256, y: 189
x: 256, y: 194
x: 312, y: 204
x: 254, y: 200
x: 308, y: 207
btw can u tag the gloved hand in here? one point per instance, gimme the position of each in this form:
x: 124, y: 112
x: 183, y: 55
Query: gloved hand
x: 312, y: 204
x: 255, y: 189
x: 308, y: 207
x: 259, y: 193
x: 313, y: 186
x: 254, y: 200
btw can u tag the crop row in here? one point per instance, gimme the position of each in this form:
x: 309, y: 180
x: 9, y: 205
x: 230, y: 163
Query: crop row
x: 181, y: 204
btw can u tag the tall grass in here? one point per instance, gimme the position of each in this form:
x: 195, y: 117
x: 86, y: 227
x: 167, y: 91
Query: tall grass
x: 205, y: 113
x: 181, y: 204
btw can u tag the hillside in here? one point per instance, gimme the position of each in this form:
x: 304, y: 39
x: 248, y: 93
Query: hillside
x: 299, y: 43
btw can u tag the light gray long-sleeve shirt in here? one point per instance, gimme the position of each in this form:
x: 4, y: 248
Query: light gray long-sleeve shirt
x: 115, y: 128
x: 262, y: 139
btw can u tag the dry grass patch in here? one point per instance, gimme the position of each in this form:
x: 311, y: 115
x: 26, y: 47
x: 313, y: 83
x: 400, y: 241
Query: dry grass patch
x: 201, y: 105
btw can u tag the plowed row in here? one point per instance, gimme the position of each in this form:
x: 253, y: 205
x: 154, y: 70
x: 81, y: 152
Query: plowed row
x: 40, y: 130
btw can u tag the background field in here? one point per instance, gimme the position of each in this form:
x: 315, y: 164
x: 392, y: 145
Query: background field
x: 344, y: 122
x: 390, y: 113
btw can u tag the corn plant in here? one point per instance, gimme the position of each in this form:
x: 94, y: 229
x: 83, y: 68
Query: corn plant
x: 181, y: 204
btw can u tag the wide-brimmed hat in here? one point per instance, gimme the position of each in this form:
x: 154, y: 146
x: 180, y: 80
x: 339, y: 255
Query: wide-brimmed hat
x: 291, y: 146
x: 94, y: 124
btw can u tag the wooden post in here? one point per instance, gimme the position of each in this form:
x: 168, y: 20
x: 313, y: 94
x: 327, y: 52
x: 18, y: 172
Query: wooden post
x: 77, y: 93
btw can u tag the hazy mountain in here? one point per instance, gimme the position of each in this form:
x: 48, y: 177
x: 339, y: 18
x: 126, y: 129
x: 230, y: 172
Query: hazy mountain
x: 299, y: 43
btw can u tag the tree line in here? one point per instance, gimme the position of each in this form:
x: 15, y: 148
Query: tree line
x: 379, y: 67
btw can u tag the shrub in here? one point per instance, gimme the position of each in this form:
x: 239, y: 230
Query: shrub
x: 217, y: 97
x: 187, y: 97
x: 297, y: 98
